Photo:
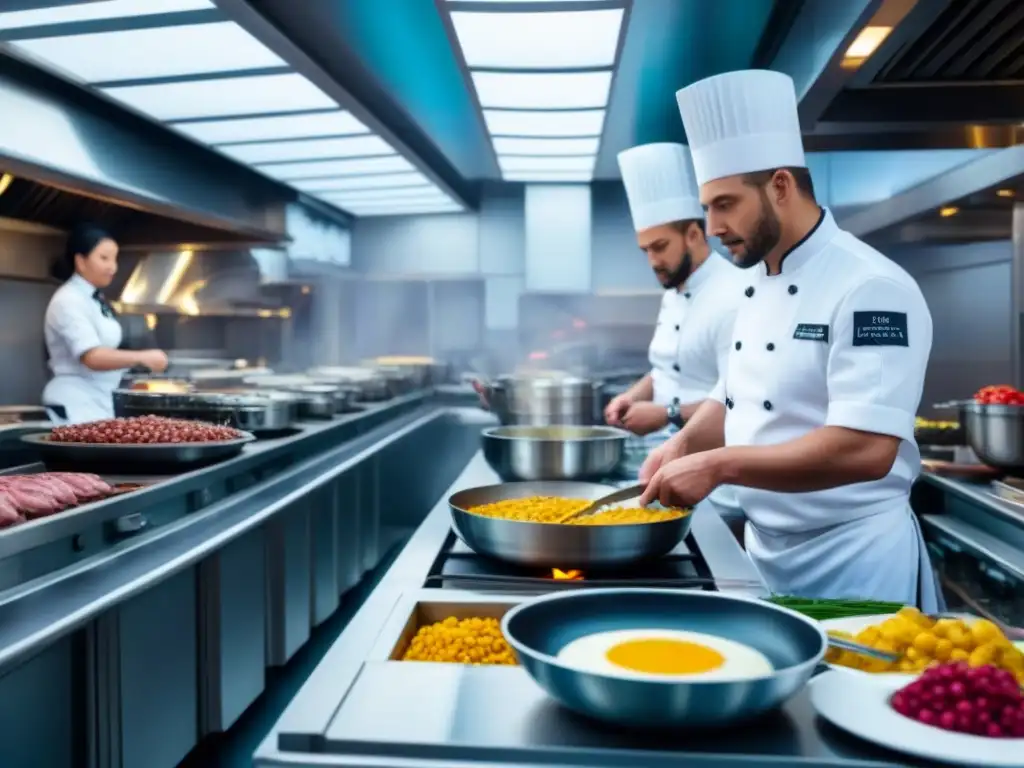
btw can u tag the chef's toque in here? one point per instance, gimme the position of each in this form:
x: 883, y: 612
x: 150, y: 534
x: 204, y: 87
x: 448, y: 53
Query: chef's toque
x: 660, y: 185
x: 741, y: 122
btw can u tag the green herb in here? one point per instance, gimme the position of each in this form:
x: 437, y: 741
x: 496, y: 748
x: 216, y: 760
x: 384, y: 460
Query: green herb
x: 823, y: 610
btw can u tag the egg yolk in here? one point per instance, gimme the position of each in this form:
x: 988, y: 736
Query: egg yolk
x: 664, y: 657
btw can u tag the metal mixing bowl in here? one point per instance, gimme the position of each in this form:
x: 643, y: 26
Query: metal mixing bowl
x: 553, y: 453
x: 996, y: 433
x: 539, y: 628
x: 544, y: 545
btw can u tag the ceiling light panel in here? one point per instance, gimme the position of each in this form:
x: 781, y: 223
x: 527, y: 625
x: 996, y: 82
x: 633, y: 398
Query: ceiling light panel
x: 504, y: 145
x: 437, y: 198
x: 337, y: 168
x: 367, y: 145
x: 223, y: 97
x: 98, y: 11
x: 512, y: 164
x: 416, y: 210
x: 425, y: 192
x: 544, y: 40
x: 511, y: 122
x: 331, y: 184
x: 380, y: 181
x: 285, y: 127
x: 549, y: 176
x: 193, y: 49
x: 542, y: 90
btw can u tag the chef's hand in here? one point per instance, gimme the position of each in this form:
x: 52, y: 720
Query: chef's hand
x: 481, y: 394
x: 645, y: 418
x: 154, y: 359
x: 617, y: 408
x: 685, y: 481
x: 671, y: 449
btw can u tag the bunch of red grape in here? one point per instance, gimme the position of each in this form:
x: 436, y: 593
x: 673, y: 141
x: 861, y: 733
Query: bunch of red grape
x: 984, y: 701
x: 139, y: 430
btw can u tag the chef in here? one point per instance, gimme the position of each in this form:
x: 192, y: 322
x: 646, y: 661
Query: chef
x: 813, y: 418
x: 83, y: 334
x: 702, y: 294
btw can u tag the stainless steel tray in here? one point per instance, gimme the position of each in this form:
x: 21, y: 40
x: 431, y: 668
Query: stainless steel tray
x: 131, y: 457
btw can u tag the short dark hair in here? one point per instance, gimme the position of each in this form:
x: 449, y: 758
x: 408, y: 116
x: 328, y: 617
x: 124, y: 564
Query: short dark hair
x: 683, y: 225
x: 83, y: 239
x: 801, y: 176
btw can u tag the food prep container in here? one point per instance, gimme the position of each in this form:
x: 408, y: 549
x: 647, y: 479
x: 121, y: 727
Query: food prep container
x: 251, y: 412
x: 538, y: 629
x: 995, y: 433
x: 425, y: 613
x: 549, y: 545
x: 544, y: 400
x: 521, y: 453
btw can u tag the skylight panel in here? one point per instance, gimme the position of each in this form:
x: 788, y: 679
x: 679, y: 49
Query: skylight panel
x: 379, y: 181
x: 337, y: 168
x: 284, y: 127
x: 162, y: 52
x: 542, y: 90
x: 512, y: 164
x: 567, y: 177
x: 366, y: 145
x: 538, y: 40
x: 223, y: 97
x: 510, y: 122
x: 518, y: 146
x: 96, y: 11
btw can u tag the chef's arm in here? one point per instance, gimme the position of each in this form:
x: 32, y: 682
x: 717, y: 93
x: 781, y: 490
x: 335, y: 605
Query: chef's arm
x: 110, y: 359
x: 825, y: 458
x: 704, y: 431
x: 642, y: 390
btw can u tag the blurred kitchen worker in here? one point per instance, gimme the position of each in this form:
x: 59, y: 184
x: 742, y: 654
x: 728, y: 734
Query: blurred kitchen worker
x: 814, y: 417
x: 703, y: 291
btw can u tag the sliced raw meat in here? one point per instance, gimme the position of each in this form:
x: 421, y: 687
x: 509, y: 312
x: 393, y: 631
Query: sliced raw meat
x: 56, y: 487
x: 32, y: 500
x: 85, y: 485
x: 8, y: 512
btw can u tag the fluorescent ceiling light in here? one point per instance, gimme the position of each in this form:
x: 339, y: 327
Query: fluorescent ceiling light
x: 366, y: 145
x: 381, y: 196
x: 337, y: 168
x: 162, y: 52
x: 246, y: 129
x: 866, y: 42
x: 415, y: 210
x: 223, y: 97
x: 515, y: 146
x: 548, y: 176
x: 330, y: 184
x: 513, y: 163
x: 584, y: 122
x: 544, y: 40
x: 94, y: 11
x: 542, y: 90
x: 380, y: 181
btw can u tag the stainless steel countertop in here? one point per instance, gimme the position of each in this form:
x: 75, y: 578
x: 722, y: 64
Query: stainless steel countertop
x: 444, y: 707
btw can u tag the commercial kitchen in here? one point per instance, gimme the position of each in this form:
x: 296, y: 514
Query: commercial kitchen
x: 369, y: 236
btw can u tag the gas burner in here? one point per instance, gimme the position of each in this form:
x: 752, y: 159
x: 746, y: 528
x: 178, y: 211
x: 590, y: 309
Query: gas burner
x: 458, y: 567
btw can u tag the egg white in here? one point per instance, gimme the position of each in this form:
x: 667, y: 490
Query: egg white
x: 589, y: 654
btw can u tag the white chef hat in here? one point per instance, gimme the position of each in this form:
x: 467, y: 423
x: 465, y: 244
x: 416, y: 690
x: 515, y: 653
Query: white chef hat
x: 660, y: 184
x: 741, y: 122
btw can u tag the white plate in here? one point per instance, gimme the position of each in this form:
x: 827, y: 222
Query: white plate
x: 857, y: 623
x: 861, y: 707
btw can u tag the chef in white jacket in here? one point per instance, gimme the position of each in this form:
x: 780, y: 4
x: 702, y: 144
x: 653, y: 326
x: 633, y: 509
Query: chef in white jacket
x: 703, y: 291
x: 814, y: 417
x: 83, y: 334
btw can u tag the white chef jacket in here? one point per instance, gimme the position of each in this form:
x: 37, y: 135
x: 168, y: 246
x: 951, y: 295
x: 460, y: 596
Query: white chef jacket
x: 690, y: 347
x: 74, y: 324
x: 841, y: 337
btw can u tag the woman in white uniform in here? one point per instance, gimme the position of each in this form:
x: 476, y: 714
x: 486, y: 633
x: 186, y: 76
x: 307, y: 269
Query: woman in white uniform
x: 691, y: 340
x: 83, y: 334
x: 816, y: 408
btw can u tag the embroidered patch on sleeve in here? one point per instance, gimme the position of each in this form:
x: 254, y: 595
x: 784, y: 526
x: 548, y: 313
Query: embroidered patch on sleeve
x: 880, y: 329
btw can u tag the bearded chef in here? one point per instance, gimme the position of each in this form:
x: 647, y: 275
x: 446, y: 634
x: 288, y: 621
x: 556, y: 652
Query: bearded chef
x: 813, y: 419
x: 703, y: 291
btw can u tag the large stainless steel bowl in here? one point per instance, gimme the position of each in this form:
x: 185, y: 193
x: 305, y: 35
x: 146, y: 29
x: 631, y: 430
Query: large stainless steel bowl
x: 553, y: 453
x: 541, y: 400
x: 996, y: 433
x: 547, y: 545
x: 539, y: 628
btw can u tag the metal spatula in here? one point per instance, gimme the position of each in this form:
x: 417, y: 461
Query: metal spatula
x: 623, y: 494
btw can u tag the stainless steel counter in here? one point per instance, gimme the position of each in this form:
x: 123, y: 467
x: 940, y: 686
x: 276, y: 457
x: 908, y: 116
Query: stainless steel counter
x: 359, y: 708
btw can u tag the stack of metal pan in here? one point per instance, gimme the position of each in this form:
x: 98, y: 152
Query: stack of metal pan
x: 370, y: 385
x: 317, y: 400
x: 259, y: 413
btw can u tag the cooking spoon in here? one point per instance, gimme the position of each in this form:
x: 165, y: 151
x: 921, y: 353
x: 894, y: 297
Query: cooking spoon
x: 842, y: 644
x: 623, y: 494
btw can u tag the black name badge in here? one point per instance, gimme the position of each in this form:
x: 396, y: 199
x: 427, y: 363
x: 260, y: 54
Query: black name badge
x: 880, y: 329
x: 811, y: 332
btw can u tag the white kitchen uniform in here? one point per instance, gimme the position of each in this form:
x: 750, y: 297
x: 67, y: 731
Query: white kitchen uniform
x: 76, y: 323
x: 841, y: 337
x: 694, y: 328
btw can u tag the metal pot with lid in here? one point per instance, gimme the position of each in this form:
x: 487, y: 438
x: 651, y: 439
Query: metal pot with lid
x: 544, y: 400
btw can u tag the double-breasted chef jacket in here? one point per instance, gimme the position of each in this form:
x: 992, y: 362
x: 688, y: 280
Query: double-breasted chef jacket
x: 78, y: 319
x: 841, y: 337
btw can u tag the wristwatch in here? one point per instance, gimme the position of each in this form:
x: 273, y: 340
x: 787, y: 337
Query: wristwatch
x: 675, y: 418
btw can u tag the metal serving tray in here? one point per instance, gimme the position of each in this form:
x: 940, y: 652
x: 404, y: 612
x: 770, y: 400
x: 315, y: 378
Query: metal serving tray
x: 409, y: 616
x: 132, y: 458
